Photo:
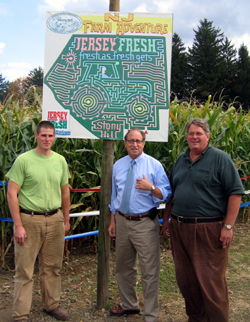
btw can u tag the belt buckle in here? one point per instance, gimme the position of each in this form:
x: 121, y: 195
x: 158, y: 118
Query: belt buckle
x: 46, y: 213
x: 178, y: 219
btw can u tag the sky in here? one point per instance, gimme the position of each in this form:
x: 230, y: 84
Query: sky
x: 22, y: 24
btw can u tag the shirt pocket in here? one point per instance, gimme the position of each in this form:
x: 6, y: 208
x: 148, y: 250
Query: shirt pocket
x: 143, y: 192
x: 205, y: 177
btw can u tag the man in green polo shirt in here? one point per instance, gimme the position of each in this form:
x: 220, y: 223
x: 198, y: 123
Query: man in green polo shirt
x: 38, y: 187
x: 207, y: 193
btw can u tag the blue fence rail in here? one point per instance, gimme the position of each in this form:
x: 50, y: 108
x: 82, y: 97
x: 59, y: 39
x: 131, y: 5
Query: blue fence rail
x: 97, y: 212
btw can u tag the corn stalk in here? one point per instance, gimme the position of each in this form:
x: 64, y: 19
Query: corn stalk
x: 230, y: 132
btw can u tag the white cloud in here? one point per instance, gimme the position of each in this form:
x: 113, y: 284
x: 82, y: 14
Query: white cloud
x: 167, y: 6
x: 4, y: 10
x: 244, y: 39
x: 59, y: 4
x: 16, y: 70
x: 62, y: 5
x: 19, y: 65
x: 2, y: 46
x: 141, y: 8
x: 56, y: 5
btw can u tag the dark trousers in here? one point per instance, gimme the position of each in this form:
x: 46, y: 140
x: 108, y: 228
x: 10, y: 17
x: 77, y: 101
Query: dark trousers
x: 200, y: 264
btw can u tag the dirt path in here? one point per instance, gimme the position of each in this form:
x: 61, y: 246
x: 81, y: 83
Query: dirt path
x: 79, y: 287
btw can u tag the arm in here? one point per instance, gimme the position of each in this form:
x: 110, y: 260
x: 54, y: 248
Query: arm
x: 144, y: 184
x: 226, y: 235
x: 111, y: 228
x: 166, y: 216
x: 65, y: 206
x: 20, y: 232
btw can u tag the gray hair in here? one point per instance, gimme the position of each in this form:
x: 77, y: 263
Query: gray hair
x: 199, y: 122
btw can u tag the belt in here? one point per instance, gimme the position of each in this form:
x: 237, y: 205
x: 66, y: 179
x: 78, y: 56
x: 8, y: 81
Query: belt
x: 134, y: 217
x: 195, y: 220
x: 46, y: 213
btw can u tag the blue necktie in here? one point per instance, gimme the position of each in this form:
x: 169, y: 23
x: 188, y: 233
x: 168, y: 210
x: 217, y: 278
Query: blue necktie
x: 127, y: 189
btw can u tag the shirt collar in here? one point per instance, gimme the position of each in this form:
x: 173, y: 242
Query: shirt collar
x: 186, y: 154
x: 137, y: 160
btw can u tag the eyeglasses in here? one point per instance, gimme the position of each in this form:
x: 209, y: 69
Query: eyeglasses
x: 133, y: 141
x: 198, y: 134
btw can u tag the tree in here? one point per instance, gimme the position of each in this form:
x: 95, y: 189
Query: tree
x: 35, y: 78
x: 16, y: 89
x: 206, y: 60
x: 242, y: 82
x: 229, y: 70
x: 33, y: 84
x: 4, y: 88
x: 179, y: 73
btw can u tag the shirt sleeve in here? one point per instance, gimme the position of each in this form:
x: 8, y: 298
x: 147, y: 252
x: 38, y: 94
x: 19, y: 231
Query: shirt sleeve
x: 230, y: 178
x: 17, y: 172
x: 162, y: 182
x: 113, y: 194
x: 66, y: 174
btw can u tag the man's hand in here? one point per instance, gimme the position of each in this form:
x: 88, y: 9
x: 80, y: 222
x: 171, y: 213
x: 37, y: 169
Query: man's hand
x: 20, y: 235
x: 143, y: 184
x: 65, y: 206
x: 226, y: 236
x: 67, y: 227
x: 111, y: 229
x: 12, y: 193
x: 166, y: 222
x: 165, y: 227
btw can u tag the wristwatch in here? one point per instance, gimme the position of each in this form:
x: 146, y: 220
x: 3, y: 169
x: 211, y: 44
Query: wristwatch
x: 228, y: 226
x: 152, y: 188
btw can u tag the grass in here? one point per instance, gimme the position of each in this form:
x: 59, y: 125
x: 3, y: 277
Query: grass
x: 238, y: 278
x: 79, y: 280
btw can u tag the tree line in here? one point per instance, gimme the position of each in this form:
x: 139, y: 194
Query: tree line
x: 22, y: 89
x: 211, y: 66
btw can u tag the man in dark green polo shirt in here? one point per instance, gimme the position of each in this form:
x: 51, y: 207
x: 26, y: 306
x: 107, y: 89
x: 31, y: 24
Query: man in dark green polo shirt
x: 207, y: 193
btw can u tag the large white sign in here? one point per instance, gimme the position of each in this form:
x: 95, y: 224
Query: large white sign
x: 106, y: 73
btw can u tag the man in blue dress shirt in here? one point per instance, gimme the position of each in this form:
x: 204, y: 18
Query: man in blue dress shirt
x: 137, y: 230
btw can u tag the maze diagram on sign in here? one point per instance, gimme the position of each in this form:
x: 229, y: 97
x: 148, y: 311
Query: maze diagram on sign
x: 111, y: 83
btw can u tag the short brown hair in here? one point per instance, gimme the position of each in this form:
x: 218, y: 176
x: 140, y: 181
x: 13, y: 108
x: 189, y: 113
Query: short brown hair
x: 199, y: 122
x: 135, y: 129
x: 45, y: 125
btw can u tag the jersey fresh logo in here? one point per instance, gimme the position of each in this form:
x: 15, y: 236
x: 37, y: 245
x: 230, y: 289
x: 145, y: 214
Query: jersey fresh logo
x: 60, y: 119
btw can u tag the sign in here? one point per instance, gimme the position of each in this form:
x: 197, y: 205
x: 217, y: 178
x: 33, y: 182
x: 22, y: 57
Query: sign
x: 106, y: 73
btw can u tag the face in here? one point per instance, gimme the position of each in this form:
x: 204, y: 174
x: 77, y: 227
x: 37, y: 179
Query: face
x: 197, y: 139
x: 45, y: 139
x: 134, y: 149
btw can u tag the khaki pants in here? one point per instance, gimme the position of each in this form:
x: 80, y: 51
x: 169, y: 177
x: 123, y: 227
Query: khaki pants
x: 200, y: 266
x: 45, y: 237
x: 142, y: 238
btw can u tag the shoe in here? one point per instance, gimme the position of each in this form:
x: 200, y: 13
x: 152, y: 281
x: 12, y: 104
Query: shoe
x: 58, y: 313
x: 120, y: 312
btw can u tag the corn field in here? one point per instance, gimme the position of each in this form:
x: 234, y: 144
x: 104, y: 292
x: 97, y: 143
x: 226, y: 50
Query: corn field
x: 230, y: 131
